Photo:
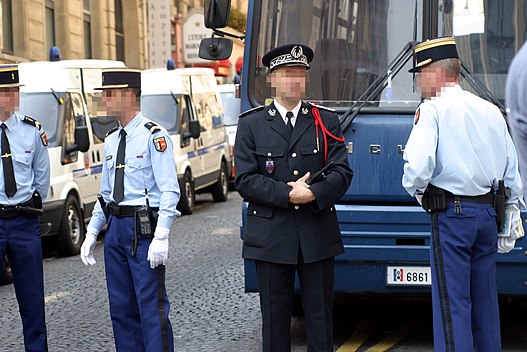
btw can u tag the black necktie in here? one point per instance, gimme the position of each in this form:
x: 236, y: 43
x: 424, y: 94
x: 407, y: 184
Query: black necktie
x: 7, y: 163
x: 118, y: 186
x: 289, y: 124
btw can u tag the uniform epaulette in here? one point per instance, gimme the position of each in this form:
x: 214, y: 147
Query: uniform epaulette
x: 31, y: 121
x: 258, y: 108
x: 152, y: 127
x: 112, y: 131
x: 321, y: 107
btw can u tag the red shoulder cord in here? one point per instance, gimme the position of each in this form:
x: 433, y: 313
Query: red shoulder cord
x: 325, y: 133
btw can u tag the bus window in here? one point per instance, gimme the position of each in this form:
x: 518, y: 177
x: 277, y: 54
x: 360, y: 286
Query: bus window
x: 353, y: 41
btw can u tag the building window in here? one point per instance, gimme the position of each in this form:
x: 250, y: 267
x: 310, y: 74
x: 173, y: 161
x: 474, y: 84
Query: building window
x: 7, y: 26
x: 87, y: 30
x: 119, y: 31
x: 50, y: 24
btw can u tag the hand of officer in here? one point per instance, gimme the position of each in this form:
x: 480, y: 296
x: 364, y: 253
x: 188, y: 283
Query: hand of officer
x: 300, y: 194
x: 88, y: 246
x: 158, y: 250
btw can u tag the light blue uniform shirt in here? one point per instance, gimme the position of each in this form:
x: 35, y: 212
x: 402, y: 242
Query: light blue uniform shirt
x: 460, y: 143
x: 30, y: 160
x: 145, y: 167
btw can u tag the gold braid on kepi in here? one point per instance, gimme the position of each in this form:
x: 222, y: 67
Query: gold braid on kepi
x: 433, y: 50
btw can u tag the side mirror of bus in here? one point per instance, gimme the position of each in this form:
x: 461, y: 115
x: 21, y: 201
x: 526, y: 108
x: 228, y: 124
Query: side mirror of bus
x: 82, y: 140
x: 215, y: 48
x: 217, y: 13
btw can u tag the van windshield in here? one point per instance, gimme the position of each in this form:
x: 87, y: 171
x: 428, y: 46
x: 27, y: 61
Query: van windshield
x: 231, y: 108
x: 163, y: 109
x: 45, y: 108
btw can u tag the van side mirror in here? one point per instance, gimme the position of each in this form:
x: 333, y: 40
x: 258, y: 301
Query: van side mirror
x: 215, y: 48
x: 82, y: 140
x: 217, y: 13
x: 195, y: 128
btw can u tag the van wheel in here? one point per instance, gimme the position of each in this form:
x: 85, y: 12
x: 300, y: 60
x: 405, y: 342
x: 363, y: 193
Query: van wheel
x: 6, y: 276
x: 220, y: 189
x: 71, y: 233
x: 187, y: 196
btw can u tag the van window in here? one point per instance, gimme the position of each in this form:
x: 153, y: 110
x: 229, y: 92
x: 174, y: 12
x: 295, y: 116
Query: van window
x: 210, y: 112
x: 162, y: 109
x: 100, y: 125
x: 45, y: 108
x: 184, y: 121
x: 231, y: 108
x: 73, y: 117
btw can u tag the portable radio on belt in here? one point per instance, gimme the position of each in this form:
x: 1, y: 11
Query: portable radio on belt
x: 145, y: 221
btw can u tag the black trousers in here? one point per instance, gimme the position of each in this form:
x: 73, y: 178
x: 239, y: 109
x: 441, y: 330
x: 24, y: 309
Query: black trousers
x: 276, y: 283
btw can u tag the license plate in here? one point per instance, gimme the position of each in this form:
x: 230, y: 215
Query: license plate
x: 408, y: 275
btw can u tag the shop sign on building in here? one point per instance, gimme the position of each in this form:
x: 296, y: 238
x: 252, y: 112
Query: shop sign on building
x: 193, y: 31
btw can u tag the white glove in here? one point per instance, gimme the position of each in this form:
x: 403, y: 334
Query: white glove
x: 158, y: 249
x: 506, y: 243
x: 88, y: 246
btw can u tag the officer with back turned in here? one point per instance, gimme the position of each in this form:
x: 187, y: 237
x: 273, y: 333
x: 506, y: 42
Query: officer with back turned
x: 24, y: 183
x: 459, y: 161
x: 139, y: 194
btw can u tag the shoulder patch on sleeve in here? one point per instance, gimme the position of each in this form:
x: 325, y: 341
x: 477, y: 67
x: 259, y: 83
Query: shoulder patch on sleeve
x: 152, y: 127
x: 160, y: 144
x: 112, y: 131
x: 321, y: 107
x: 31, y: 121
x: 44, y: 139
x: 250, y: 111
x: 417, y: 114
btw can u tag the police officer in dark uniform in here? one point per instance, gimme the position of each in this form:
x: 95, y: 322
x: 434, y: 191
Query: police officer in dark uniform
x: 24, y: 183
x: 139, y: 194
x: 457, y: 153
x: 291, y: 221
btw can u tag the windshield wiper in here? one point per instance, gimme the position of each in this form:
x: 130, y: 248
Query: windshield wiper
x: 174, y: 97
x: 59, y: 100
x: 481, y: 89
x: 377, y: 86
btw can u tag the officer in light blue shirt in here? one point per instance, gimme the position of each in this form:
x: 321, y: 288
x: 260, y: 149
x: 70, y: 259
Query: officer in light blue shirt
x: 458, y: 151
x: 24, y: 183
x: 139, y: 188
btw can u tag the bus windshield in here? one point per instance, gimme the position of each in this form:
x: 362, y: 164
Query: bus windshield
x: 45, y: 108
x: 355, y: 42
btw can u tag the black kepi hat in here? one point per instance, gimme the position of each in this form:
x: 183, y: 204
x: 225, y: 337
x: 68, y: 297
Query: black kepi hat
x: 433, y: 50
x: 121, y: 78
x: 288, y: 55
x: 9, y: 76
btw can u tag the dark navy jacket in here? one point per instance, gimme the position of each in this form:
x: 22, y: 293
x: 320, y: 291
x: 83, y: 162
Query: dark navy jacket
x: 266, y: 158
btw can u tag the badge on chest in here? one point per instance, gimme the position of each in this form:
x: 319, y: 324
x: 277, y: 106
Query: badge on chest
x: 269, y: 166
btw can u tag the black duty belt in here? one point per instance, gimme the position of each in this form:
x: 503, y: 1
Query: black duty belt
x: 124, y: 210
x: 485, y: 198
x: 11, y: 211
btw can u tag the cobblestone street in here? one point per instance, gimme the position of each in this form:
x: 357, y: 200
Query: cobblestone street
x: 210, y: 310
